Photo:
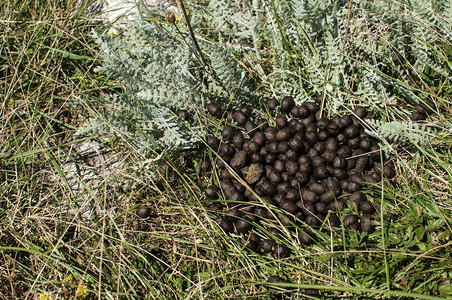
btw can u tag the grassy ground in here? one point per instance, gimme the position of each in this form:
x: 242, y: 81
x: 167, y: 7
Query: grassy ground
x: 48, y: 250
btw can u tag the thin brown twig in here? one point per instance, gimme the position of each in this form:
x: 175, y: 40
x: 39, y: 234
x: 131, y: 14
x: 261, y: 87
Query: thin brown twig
x: 184, y: 12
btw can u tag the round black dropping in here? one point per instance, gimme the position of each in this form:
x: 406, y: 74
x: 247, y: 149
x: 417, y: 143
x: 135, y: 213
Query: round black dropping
x: 281, y: 251
x: 341, y: 138
x: 428, y: 106
x: 366, y: 224
x: 312, y: 153
x: 251, y: 241
x: 256, y: 158
x: 238, y: 139
x: 290, y: 154
x: 253, y: 147
x: 354, y: 142
x: 270, y: 158
x: 226, y: 149
x: 246, y: 110
x: 293, y: 195
x: 312, y: 106
x: 144, y: 212
x: 291, y: 167
x: 283, y: 147
x: 287, y: 103
x: 230, y: 116
x: 183, y: 114
x: 268, y: 188
x: 295, y: 112
x: 274, y: 177
x: 279, y: 199
x: 279, y: 166
x: 213, y: 142
x: 250, y: 127
x: 353, y: 186
x: 311, y: 137
x: 302, y: 177
x: 322, y: 135
x: 361, y: 163
x: 272, y: 104
x: 351, y: 131
x: 333, y: 129
x: 365, y: 144
x: 270, y: 134
x: 304, y: 160
x: 327, y: 197
x: 221, y: 161
x: 233, y: 214
x: 280, y: 121
x: 240, y: 118
x: 361, y: 112
x: 239, y: 186
x: 228, y: 132
x: 350, y: 220
x: 345, y: 121
x: 329, y: 156
x: 264, y: 151
x: 295, y: 144
x: 323, y: 123
x: 309, y: 196
x: 304, y: 238
x: 339, y: 162
x: 283, y: 134
x: 283, y: 187
x: 243, y: 226
x: 267, y: 246
x: 321, y: 207
x: 212, y: 191
x: 225, y: 225
x: 304, y: 111
x: 214, y: 110
x: 261, y: 124
x: 344, y: 151
x: 259, y: 138
x: 356, y: 122
x: 317, y: 161
x: 272, y: 147
x: 366, y: 207
x: 312, y: 221
x: 276, y: 279
x: 389, y: 171
x: 296, y: 126
x: 320, y: 147
x: 312, y: 293
x: 317, y: 188
x: 336, y: 206
x: 333, y: 220
x: 334, y: 186
x: 321, y: 172
x: 289, y: 206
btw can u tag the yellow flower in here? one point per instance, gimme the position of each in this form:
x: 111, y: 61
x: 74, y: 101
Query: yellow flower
x: 81, y: 290
x: 44, y: 296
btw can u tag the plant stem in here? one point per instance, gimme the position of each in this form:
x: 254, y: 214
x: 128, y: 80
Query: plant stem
x: 184, y: 12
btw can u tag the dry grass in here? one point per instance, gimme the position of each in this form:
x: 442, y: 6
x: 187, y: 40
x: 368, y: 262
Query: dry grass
x: 57, y: 241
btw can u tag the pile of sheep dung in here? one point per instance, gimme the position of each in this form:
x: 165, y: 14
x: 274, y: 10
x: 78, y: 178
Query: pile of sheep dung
x: 308, y: 166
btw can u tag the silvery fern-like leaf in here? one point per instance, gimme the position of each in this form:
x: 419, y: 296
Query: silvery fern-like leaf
x: 401, y: 132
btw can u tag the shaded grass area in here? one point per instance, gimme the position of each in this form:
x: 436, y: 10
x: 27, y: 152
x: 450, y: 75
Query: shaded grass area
x: 47, y: 61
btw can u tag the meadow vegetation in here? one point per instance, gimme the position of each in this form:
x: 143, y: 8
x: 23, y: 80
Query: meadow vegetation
x: 395, y: 58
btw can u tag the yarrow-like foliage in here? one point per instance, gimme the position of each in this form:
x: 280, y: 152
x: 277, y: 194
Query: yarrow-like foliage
x: 344, y: 53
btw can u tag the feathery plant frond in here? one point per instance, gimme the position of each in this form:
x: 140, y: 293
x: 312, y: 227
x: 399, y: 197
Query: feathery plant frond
x: 348, y: 53
x: 402, y: 132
